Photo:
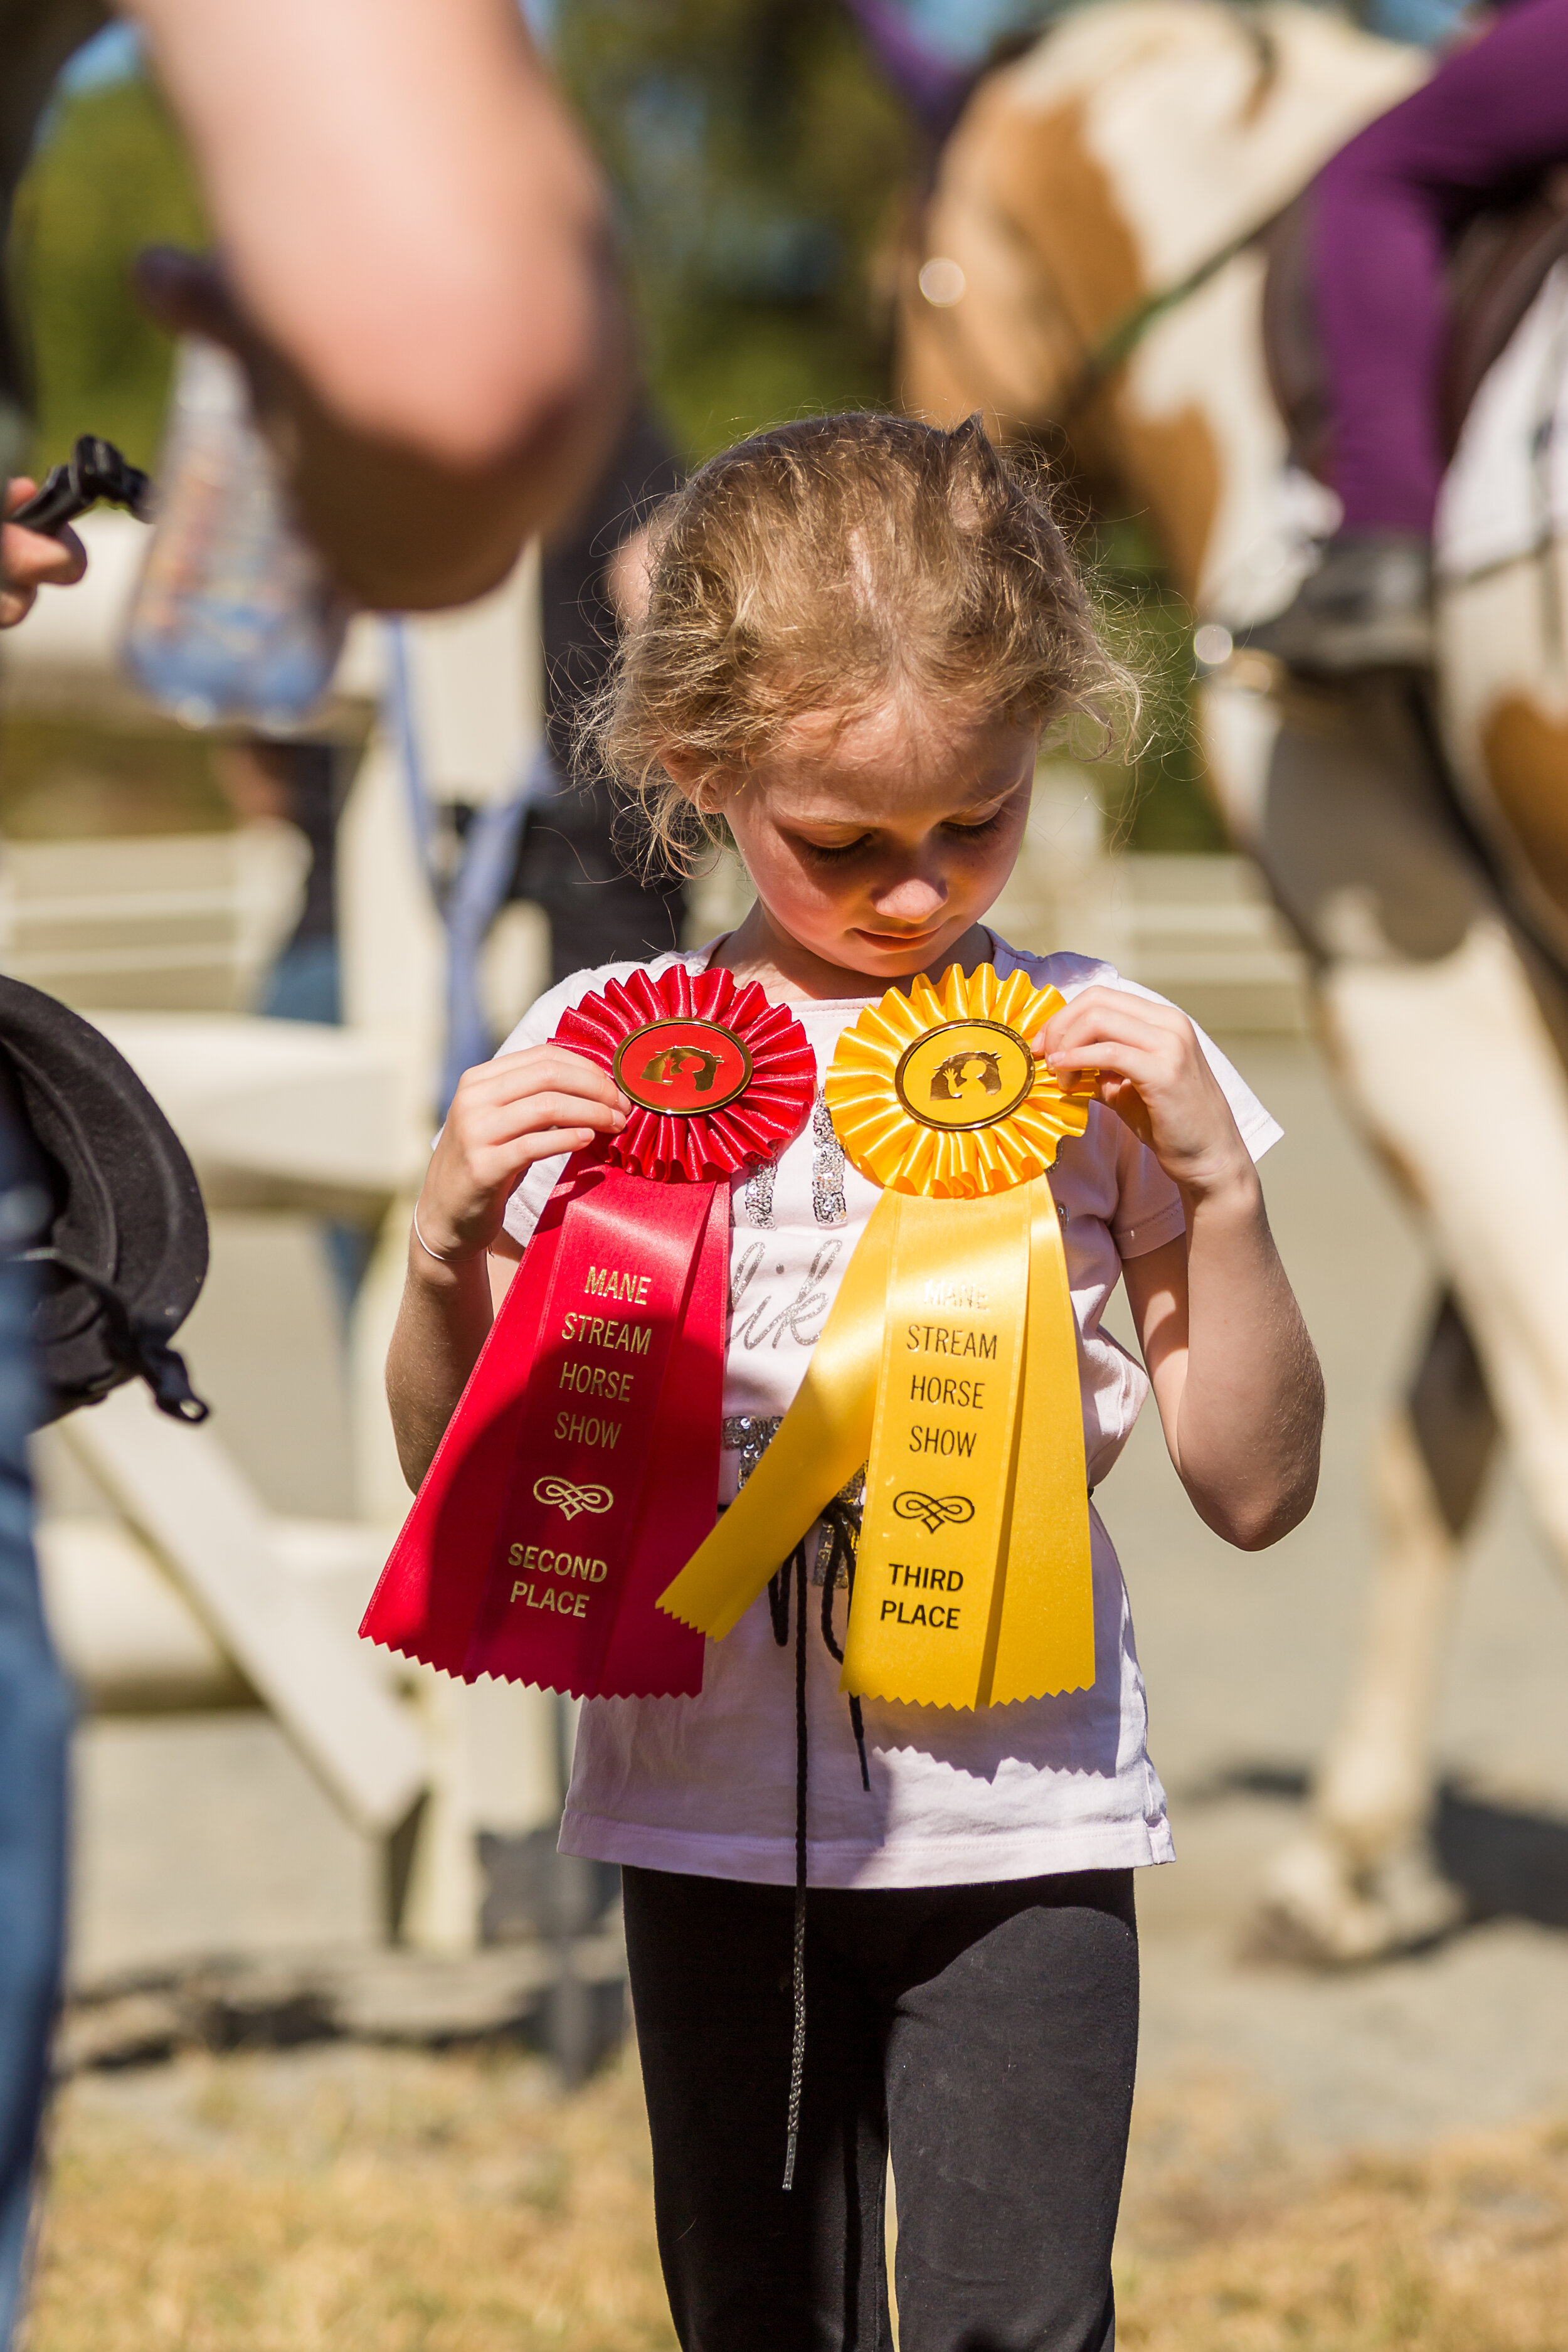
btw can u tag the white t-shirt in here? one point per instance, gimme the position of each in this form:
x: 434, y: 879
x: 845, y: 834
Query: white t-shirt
x: 958, y: 1797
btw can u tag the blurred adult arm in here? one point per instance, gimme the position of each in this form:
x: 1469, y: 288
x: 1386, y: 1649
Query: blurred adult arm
x: 31, y: 560
x: 416, y: 265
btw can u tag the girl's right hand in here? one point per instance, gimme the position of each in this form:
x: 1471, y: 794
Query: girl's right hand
x: 505, y: 1115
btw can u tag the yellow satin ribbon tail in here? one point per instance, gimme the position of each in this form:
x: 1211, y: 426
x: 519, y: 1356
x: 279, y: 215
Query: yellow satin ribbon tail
x: 1045, y: 1633
x: 822, y: 1442
x: 937, y: 1483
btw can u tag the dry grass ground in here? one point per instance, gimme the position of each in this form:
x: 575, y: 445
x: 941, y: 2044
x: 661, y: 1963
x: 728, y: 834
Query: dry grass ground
x: 1227, y: 2244
x: 350, y: 2197
x: 369, y: 2201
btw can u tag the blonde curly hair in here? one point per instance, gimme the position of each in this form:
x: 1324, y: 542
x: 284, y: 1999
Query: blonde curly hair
x: 822, y: 565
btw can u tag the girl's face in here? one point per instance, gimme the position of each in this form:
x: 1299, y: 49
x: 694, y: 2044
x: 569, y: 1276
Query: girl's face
x: 877, y: 843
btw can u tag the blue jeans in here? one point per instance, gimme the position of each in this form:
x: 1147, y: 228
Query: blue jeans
x: 35, y: 1723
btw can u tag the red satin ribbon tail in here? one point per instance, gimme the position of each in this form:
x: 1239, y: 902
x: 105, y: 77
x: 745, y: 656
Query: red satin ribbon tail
x: 537, y: 1545
x: 600, y: 1396
x: 428, y: 1595
x: 649, y: 1654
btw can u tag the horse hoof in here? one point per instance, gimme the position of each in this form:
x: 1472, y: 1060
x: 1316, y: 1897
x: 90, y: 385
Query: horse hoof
x: 1319, y: 1909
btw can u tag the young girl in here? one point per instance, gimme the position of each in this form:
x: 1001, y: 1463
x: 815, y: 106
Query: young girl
x: 857, y: 629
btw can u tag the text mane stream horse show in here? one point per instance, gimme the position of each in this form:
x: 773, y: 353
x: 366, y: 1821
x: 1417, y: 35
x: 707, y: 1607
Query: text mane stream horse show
x: 1090, y: 263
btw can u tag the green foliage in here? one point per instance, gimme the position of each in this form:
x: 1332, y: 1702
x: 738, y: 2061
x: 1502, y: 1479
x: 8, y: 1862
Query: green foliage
x: 761, y: 166
x: 758, y: 161
x: 64, y: 778
x: 111, y: 176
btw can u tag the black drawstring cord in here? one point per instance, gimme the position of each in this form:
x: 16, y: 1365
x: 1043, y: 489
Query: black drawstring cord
x: 842, y: 1520
x: 846, y: 1528
x: 778, y: 1595
x: 797, y: 2048
x: 778, y: 1604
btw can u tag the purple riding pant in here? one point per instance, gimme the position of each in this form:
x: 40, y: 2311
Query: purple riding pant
x: 1493, y: 116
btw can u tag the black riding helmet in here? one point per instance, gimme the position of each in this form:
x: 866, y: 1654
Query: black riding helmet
x: 103, y: 1201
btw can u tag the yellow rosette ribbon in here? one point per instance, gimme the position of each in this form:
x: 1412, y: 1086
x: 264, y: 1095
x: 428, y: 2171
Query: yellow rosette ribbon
x: 948, y: 1366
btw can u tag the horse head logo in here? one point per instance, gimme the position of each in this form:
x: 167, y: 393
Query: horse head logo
x: 953, y: 1080
x: 677, y: 1062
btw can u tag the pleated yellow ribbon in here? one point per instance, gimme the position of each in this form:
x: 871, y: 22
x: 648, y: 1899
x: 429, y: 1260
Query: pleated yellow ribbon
x: 948, y: 1366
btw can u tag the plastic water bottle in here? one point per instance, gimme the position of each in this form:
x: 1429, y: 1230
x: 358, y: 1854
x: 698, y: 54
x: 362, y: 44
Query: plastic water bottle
x: 234, y: 615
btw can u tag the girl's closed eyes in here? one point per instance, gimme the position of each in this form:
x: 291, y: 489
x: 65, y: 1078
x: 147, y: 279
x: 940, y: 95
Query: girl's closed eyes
x: 959, y: 829
x: 835, y: 849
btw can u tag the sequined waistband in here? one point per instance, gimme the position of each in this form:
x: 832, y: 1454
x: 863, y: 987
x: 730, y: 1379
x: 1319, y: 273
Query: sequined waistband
x: 749, y: 1434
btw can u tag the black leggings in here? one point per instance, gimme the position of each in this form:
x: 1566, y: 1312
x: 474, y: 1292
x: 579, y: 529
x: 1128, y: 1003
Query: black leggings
x: 989, y: 2034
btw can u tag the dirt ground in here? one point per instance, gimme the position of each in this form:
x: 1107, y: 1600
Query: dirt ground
x: 354, y: 2197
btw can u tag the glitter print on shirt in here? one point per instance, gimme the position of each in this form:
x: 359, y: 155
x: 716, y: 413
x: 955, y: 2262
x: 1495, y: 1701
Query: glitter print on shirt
x: 757, y: 1193
x: 762, y: 1328
x: 827, y: 1202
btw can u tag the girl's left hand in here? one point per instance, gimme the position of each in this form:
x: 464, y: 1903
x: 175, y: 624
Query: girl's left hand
x: 1152, y: 1073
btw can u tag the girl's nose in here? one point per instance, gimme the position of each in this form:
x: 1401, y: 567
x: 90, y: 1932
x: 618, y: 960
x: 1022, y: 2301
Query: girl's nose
x: 912, y: 900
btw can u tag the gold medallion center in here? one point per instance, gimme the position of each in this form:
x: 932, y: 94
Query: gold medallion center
x: 682, y: 1068
x: 965, y: 1075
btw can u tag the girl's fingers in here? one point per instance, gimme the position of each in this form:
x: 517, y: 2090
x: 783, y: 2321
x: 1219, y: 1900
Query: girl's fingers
x: 1147, y: 1050
x: 1106, y: 1053
x: 1073, y: 1030
x: 1141, y: 1064
x: 540, y: 1103
x: 470, y: 1163
x: 553, y: 1139
x: 537, y: 1068
x: 569, y: 1108
x: 500, y: 1163
x: 469, y: 1207
x: 490, y: 1127
x: 1148, y: 1068
x: 481, y: 1181
x: 1113, y: 1009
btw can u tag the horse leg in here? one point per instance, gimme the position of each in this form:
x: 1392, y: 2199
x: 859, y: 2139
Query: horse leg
x: 1460, y: 1085
x: 1360, y: 1881
x: 1449, y: 1044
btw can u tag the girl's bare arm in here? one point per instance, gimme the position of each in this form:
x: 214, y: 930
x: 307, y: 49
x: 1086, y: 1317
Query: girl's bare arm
x: 505, y: 1115
x: 1235, y: 1375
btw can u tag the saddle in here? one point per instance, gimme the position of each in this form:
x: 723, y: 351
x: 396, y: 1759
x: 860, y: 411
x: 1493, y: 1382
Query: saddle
x: 1497, y: 266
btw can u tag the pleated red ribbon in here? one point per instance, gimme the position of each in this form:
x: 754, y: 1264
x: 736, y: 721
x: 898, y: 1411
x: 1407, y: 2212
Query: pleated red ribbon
x: 580, y: 1471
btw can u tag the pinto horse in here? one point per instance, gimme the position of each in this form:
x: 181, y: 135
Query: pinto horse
x: 1090, y: 269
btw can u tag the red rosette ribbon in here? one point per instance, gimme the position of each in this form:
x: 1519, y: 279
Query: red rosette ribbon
x: 580, y: 1471
x: 746, y: 1126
